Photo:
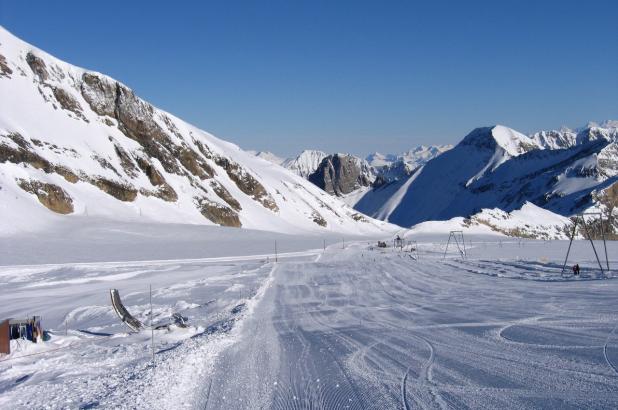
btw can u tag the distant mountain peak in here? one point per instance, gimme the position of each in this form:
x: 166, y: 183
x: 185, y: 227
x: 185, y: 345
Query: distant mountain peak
x: 268, y: 156
x: 305, y: 163
x: 499, y: 136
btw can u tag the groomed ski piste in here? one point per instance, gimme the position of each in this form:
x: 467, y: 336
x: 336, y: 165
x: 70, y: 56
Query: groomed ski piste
x: 352, y: 326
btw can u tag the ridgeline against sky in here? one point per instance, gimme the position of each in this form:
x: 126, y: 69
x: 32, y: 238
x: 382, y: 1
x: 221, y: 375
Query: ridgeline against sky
x: 351, y: 76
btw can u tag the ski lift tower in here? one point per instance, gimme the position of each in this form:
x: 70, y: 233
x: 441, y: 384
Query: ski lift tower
x: 457, y: 237
x: 581, y: 218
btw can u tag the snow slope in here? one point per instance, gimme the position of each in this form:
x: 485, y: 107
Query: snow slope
x: 496, y: 167
x: 441, y: 180
x: 355, y: 327
x: 80, y: 143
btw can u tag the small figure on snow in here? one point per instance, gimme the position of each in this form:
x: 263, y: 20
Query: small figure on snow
x: 576, y: 269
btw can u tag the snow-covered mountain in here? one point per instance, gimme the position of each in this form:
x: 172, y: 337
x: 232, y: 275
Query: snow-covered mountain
x: 305, y: 163
x: 413, y: 158
x: 342, y: 174
x: 555, y: 139
x: 499, y: 168
x: 379, y: 160
x: 74, y: 142
x: 268, y: 156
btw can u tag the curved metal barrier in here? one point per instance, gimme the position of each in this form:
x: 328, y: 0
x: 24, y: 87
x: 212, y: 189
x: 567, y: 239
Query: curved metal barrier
x: 123, y: 313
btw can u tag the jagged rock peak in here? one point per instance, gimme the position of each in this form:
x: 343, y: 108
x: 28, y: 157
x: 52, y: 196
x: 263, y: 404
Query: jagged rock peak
x: 340, y: 174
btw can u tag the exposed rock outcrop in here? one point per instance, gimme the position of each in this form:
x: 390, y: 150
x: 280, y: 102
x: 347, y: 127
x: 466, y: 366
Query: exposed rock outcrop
x: 196, y: 165
x: 5, y: 70
x: 68, y: 102
x: 51, y: 196
x: 225, y: 195
x: 38, y: 66
x: 99, y: 135
x: 218, y: 213
x: 318, y: 219
x: 247, y: 183
x: 340, y: 174
x: 23, y: 154
x: 118, y: 190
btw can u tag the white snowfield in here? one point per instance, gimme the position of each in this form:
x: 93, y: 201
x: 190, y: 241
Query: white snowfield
x: 352, y: 326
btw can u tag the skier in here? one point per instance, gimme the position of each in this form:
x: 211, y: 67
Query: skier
x: 576, y: 269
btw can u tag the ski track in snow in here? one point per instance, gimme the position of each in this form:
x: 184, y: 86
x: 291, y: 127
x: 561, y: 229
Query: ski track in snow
x: 346, y: 328
x: 370, y: 329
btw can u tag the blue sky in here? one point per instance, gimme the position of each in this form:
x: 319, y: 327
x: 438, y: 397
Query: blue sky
x: 344, y: 76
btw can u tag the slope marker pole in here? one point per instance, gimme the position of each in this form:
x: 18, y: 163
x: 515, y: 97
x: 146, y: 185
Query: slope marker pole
x: 151, y: 329
x: 604, y: 243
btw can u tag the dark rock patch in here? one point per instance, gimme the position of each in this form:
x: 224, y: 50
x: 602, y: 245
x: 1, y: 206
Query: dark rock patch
x: 206, y: 152
x: 23, y: 155
x: 66, y: 173
x: 99, y: 93
x: 318, y: 219
x: 339, y: 175
x: 121, y: 191
x: 37, y: 65
x: 359, y: 218
x: 126, y: 162
x: 164, y: 192
x: 5, y: 70
x: 51, y: 196
x: 68, y: 102
x: 192, y: 162
x: 105, y: 163
x: 225, y: 195
x: 218, y: 213
x: 247, y: 183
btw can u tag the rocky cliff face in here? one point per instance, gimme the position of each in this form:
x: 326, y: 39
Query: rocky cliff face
x: 341, y: 174
x: 76, y: 142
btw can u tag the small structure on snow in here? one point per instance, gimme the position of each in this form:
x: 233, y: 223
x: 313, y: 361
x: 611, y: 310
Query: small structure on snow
x: 398, y: 242
x: 26, y: 329
x: 123, y: 313
x: 581, y: 219
x: 457, y: 237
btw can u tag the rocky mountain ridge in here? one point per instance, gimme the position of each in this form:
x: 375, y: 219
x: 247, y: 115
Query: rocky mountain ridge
x: 94, y: 148
x: 343, y: 174
x: 498, y: 168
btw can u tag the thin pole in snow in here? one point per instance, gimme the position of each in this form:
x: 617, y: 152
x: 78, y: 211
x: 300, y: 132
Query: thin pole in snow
x: 324, y: 240
x: 151, y: 329
x: 566, y: 258
x: 276, y: 256
x: 604, y: 243
x: 342, y: 243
